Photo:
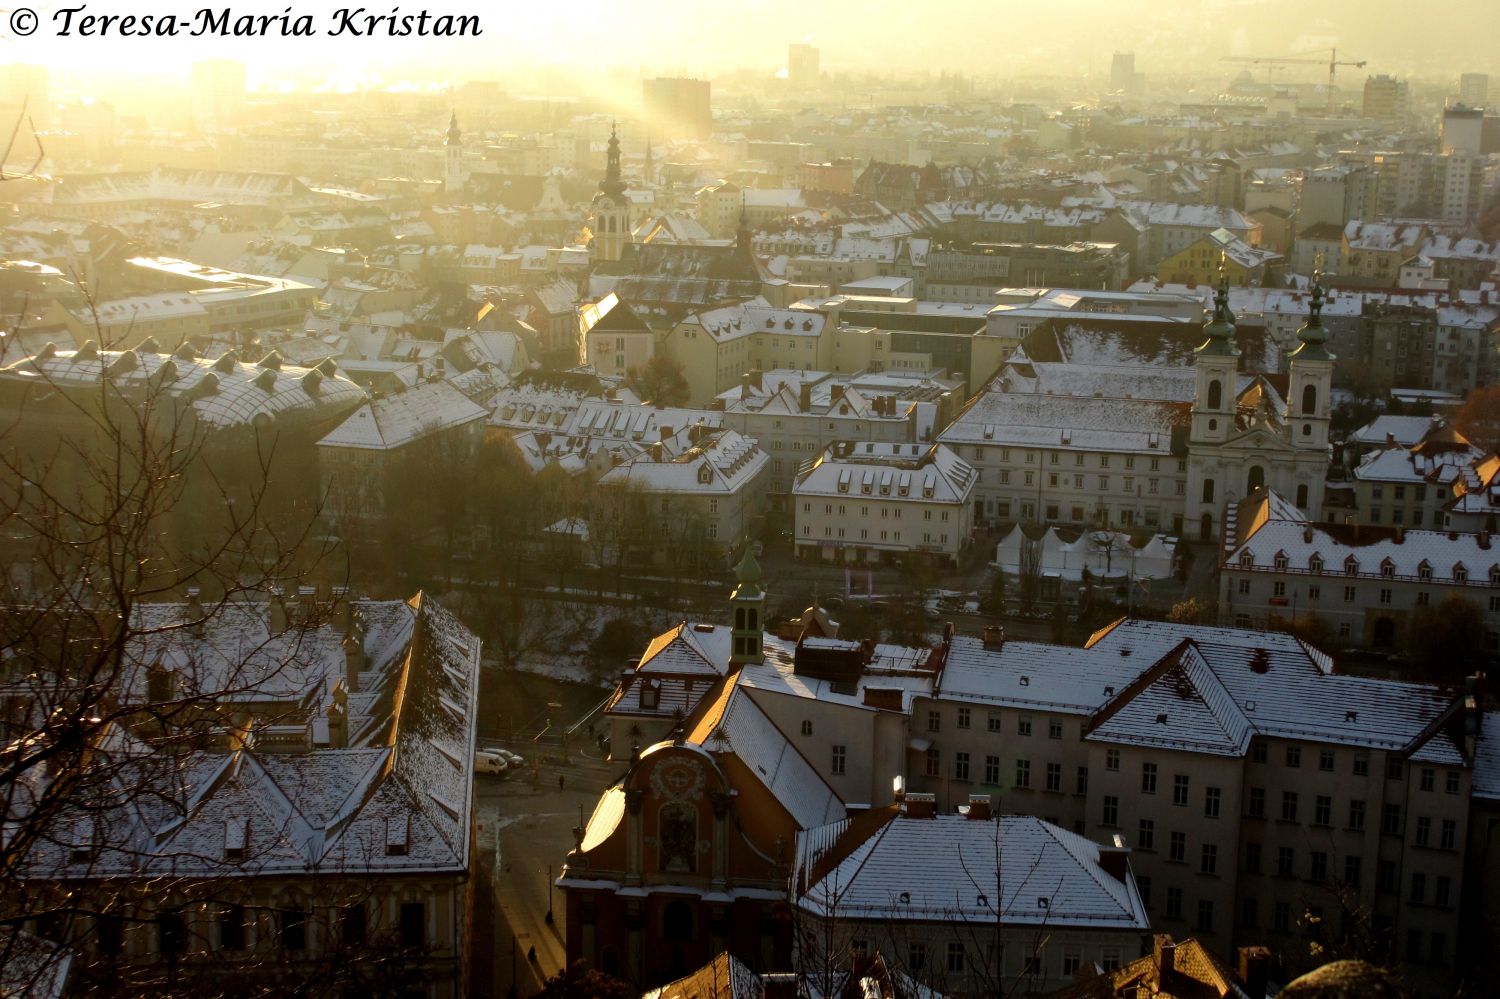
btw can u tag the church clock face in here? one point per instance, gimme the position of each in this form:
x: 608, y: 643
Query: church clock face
x: 678, y: 780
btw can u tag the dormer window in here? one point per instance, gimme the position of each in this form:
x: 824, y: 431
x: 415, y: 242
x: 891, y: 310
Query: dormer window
x: 1351, y: 566
x: 1460, y: 574
x: 1247, y: 559
x: 397, y: 835
x: 650, y: 695
x: 1281, y: 561
x: 1495, y: 575
x: 1315, y: 565
x: 236, y: 838
x: 1387, y: 569
x: 1424, y: 571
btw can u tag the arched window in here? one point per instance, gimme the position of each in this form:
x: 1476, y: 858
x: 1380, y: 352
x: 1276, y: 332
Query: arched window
x: 1256, y: 479
x: 1302, y: 495
x: 753, y: 620
x: 739, y: 619
x: 1208, y: 490
x: 1215, y: 394
x: 1309, y: 400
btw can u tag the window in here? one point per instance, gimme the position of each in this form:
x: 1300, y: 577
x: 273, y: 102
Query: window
x: 1390, y: 819
x: 992, y: 769
x: 171, y: 932
x: 1442, y: 889
x: 1429, y: 778
x: 1286, y: 859
x: 1210, y: 859
x: 1319, y: 869
x: 1146, y: 837
x: 993, y: 723
x: 293, y: 929
x: 1054, y: 776
x: 1451, y: 782
x: 1257, y: 805
x: 1054, y: 729
x: 1023, y: 773
x: 916, y: 957
x: 1424, y: 830
x: 955, y: 957
x: 1289, y: 806
x: 352, y: 926
x: 1023, y: 725
x: 963, y: 717
x: 1248, y: 912
x: 1281, y: 917
x: 1177, y: 847
x: 1362, y: 766
x: 1351, y: 871
x: 1111, y: 810
x: 1143, y: 884
x: 1294, y: 756
x: 960, y: 766
x: 1205, y: 914
x: 1148, y: 778
x: 1174, y: 903
x: 413, y: 924
x: 1180, y: 789
x: 1325, y: 760
x: 1418, y: 888
x: 232, y: 927
x: 1323, y: 810
x: 1081, y: 785
x: 1356, y: 815
x: 807, y: 728
x: 1448, y: 838
x: 1258, y: 752
x: 1252, y: 858
x: 1212, y: 797
x: 934, y: 721
x: 841, y: 757
x: 1111, y: 759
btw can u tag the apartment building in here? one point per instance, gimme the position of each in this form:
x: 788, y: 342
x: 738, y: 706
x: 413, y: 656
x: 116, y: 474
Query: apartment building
x: 1367, y: 583
x: 868, y: 502
x: 1439, y: 481
x: 796, y: 414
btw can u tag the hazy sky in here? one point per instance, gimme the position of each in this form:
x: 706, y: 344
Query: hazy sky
x: 1007, y: 37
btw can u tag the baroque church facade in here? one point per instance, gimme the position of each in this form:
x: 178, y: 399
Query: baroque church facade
x: 1246, y: 434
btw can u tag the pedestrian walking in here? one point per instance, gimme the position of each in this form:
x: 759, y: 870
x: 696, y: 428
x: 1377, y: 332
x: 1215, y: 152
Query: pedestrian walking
x: 559, y: 782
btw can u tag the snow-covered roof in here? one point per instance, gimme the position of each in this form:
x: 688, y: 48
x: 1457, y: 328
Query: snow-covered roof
x: 1013, y: 869
x: 1485, y: 781
x: 393, y: 420
x: 713, y: 462
x: 929, y: 473
x: 1140, y: 426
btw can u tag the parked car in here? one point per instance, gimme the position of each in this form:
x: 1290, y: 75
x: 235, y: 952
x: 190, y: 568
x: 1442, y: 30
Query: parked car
x: 511, y: 758
x: 486, y: 762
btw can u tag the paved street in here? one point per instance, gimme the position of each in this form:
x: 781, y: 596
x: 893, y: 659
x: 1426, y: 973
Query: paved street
x: 534, y: 829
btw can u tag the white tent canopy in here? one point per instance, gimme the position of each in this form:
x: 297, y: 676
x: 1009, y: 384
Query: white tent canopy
x: 1106, y: 555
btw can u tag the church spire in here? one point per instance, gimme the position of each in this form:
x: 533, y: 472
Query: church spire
x: 1220, y: 329
x: 454, y: 135
x: 612, y: 185
x: 1313, y: 335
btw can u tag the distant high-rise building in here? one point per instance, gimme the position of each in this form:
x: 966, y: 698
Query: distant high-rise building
x: 1463, y: 130
x: 802, y: 65
x: 1474, y: 89
x: 677, y: 106
x: 218, y: 92
x: 1385, y: 98
x: 1122, y: 76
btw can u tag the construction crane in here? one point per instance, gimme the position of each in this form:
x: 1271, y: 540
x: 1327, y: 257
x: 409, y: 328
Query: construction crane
x: 1272, y: 63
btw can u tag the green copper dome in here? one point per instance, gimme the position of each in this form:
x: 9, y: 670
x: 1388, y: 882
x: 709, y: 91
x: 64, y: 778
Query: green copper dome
x: 1220, y: 329
x: 1313, y: 335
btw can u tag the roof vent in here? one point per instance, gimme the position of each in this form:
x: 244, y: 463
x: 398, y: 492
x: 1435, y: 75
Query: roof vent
x: 1351, y: 716
x: 1161, y: 719
x: 226, y: 363
x: 1043, y: 902
x: 1025, y: 681
x: 266, y: 380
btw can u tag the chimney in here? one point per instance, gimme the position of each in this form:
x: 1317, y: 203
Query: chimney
x: 994, y: 636
x: 354, y: 661
x: 195, y: 611
x: 804, y: 398
x: 835, y: 392
x: 1484, y: 540
x: 343, y: 616
x: 1164, y: 955
x: 919, y: 805
x: 1115, y: 859
x: 666, y: 432
x: 338, y: 719
x: 278, y: 611
x: 979, y: 808
x: 1390, y: 439
x: 756, y: 375
x: 1255, y: 967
